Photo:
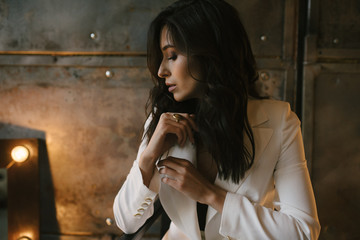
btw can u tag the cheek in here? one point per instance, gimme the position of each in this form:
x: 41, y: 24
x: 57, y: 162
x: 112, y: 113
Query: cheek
x: 182, y: 65
x: 182, y: 74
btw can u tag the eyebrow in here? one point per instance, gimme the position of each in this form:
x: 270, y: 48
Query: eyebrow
x: 167, y: 46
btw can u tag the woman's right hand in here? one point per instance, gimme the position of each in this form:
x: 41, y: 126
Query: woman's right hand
x: 168, y: 131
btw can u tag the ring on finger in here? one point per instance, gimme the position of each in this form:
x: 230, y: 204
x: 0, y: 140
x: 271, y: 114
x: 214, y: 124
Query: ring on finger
x: 177, y: 117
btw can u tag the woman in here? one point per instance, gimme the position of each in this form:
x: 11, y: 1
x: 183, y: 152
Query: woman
x: 224, y: 163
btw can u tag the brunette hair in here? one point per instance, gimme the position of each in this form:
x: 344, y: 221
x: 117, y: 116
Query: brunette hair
x: 209, y: 33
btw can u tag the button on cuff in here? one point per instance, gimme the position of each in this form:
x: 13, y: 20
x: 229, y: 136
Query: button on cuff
x: 141, y: 210
x: 145, y: 205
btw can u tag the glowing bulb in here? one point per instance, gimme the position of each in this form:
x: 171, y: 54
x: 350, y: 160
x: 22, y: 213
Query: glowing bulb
x: 24, y: 238
x: 20, y: 154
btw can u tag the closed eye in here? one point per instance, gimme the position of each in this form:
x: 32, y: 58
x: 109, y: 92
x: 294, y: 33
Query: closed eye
x: 172, y: 57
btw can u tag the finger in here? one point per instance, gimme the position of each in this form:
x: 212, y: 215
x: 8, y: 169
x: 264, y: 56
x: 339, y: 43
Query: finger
x: 163, y: 164
x: 188, y: 123
x: 178, y: 165
x: 177, y: 184
x: 169, y: 172
x: 191, y: 119
x: 173, y: 160
x: 171, y: 182
x: 177, y: 129
x: 173, y: 127
x: 183, y: 127
x: 188, y: 130
x: 179, y: 161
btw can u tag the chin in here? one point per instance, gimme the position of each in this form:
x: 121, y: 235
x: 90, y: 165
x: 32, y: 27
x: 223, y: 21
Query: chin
x: 178, y: 98
x: 183, y: 98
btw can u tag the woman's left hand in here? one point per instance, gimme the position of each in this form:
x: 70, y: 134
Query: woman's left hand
x: 185, y: 178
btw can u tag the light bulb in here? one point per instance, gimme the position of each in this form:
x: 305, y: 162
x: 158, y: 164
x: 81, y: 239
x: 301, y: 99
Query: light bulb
x: 24, y: 238
x: 20, y: 154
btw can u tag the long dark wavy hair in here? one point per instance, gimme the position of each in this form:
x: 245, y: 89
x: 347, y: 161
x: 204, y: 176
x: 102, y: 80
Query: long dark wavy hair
x: 210, y: 34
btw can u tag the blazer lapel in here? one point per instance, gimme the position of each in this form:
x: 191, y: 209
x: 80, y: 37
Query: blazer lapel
x: 257, y: 119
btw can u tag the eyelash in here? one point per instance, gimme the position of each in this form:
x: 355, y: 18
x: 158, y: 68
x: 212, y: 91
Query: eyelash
x: 173, y: 57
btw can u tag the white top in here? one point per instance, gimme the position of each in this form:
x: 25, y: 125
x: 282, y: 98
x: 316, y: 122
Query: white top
x: 274, y: 200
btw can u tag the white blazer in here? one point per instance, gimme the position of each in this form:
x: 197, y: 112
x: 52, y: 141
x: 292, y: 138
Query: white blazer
x: 274, y: 200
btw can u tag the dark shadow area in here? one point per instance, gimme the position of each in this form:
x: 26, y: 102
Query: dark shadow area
x: 3, y: 204
x: 48, y: 221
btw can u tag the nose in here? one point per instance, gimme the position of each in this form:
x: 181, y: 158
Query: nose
x: 163, y: 71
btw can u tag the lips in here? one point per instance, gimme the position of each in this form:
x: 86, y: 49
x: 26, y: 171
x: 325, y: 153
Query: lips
x: 171, y: 87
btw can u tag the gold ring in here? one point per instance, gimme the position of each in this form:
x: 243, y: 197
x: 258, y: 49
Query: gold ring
x: 177, y: 117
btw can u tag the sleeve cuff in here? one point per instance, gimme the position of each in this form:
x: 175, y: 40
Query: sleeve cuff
x: 227, y: 216
x: 145, y: 195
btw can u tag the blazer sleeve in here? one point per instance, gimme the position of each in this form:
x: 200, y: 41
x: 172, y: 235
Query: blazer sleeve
x: 134, y: 203
x: 295, y: 216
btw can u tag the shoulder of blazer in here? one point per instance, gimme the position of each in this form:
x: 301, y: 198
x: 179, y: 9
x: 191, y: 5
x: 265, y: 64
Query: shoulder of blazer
x: 266, y: 111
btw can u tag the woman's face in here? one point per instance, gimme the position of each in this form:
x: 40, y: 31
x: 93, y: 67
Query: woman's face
x: 174, y: 69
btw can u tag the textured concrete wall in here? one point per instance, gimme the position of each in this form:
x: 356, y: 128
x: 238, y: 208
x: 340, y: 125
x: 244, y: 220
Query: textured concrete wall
x: 91, y: 127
